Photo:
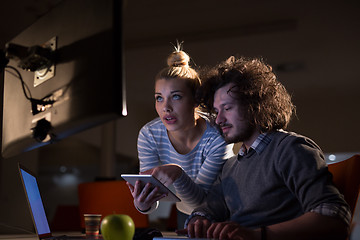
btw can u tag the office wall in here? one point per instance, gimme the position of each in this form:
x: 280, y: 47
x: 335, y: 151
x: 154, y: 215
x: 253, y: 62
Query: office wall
x: 313, y: 48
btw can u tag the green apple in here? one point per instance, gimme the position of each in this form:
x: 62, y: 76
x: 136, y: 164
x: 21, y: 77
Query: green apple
x: 117, y: 227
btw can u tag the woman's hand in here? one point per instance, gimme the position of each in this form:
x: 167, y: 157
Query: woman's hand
x: 166, y: 174
x: 145, y: 197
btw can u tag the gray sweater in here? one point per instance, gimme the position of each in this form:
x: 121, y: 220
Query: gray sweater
x: 285, y: 180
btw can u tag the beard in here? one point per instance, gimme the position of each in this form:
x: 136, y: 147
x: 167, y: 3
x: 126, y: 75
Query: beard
x: 241, y: 135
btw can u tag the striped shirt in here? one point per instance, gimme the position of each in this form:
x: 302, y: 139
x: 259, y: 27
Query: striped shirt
x: 201, y: 165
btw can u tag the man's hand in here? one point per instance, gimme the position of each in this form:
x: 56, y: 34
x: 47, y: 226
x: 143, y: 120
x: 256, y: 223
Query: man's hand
x: 197, y: 227
x: 232, y: 230
x: 200, y: 227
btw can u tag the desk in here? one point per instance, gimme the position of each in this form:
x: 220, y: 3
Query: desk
x: 34, y: 236
x: 19, y: 236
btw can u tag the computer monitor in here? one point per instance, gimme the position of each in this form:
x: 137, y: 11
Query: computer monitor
x: 74, y: 77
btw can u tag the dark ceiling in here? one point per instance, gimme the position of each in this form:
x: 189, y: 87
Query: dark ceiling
x: 153, y: 22
x: 16, y: 15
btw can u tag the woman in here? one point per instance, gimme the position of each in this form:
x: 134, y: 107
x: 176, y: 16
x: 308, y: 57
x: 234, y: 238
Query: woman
x: 180, y: 147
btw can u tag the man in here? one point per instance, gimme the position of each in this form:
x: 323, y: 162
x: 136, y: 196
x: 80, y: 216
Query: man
x: 278, y: 187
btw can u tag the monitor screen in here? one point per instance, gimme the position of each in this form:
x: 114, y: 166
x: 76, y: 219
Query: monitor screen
x: 65, y: 75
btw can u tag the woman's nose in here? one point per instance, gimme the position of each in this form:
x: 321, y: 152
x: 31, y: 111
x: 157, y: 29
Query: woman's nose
x: 167, y: 106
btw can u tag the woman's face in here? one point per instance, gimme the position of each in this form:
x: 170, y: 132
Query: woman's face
x: 174, y: 104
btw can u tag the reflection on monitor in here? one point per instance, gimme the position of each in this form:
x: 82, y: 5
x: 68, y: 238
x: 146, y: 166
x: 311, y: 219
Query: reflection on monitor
x: 71, y: 65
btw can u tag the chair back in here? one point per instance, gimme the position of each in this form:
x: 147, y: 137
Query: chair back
x: 109, y: 197
x: 355, y: 223
x: 346, y: 177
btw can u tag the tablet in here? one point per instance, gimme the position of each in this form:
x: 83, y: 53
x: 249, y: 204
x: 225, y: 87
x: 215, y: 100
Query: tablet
x: 132, y: 178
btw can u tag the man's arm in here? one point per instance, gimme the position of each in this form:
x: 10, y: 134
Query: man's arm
x: 308, y: 226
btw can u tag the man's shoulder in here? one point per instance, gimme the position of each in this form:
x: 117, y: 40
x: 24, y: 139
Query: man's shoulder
x: 282, y: 136
x: 288, y: 141
x: 230, y: 162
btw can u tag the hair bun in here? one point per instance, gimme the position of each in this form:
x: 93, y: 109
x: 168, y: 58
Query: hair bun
x: 178, y: 59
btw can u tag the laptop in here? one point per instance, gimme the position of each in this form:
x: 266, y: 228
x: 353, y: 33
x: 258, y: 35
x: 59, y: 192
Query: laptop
x: 37, y: 209
x: 174, y: 236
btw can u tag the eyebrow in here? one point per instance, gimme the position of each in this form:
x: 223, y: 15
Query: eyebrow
x: 224, y: 104
x: 175, y: 91
x: 172, y: 92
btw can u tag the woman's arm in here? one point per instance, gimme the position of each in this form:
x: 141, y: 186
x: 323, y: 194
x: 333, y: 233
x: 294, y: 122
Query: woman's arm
x: 193, y: 191
x: 147, y: 150
x: 144, y: 200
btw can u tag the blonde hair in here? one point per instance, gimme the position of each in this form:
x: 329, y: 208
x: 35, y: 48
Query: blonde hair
x: 178, y: 67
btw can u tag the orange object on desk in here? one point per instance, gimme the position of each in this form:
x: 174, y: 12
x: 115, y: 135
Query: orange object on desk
x: 109, y: 197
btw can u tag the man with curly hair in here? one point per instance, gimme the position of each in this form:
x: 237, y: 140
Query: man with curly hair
x: 278, y: 186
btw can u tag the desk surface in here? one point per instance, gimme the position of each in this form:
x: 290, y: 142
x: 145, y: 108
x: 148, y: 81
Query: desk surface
x: 19, y: 236
x: 34, y: 236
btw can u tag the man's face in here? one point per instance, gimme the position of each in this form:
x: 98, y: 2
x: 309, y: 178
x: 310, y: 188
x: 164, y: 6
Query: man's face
x: 231, y: 116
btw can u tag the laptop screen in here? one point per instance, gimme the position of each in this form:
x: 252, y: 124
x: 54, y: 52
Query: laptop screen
x: 35, y: 202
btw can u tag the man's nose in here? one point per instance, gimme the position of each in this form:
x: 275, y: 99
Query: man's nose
x: 219, y: 118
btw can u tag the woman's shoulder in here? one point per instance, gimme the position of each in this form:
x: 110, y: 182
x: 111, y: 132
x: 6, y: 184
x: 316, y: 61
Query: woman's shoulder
x: 212, y: 135
x: 154, y: 124
x: 211, y: 129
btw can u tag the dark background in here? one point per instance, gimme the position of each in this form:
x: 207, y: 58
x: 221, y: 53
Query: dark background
x: 313, y: 46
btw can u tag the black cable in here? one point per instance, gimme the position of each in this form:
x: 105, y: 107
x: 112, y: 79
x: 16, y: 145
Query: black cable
x: 23, y: 84
x: 34, y: 102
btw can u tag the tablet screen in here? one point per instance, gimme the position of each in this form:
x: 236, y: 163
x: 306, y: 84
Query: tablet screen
x: 132, y: 178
